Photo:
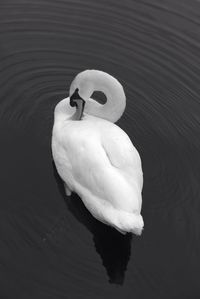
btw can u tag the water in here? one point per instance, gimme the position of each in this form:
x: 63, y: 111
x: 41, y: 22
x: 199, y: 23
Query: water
x: 50, y: 246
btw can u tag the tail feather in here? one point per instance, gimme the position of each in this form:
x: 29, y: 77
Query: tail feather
x: 129, y: 222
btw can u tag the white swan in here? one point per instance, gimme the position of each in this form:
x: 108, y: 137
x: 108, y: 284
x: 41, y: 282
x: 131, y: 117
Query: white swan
x: 94, y: 157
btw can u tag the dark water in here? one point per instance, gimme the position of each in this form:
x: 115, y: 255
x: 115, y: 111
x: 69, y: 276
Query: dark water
x: 50, y: 246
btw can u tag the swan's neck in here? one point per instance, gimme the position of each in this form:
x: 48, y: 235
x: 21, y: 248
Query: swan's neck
x: 92, y: 80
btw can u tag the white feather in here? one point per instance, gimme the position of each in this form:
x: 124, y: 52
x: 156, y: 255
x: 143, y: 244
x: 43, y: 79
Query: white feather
x: 95, y: 158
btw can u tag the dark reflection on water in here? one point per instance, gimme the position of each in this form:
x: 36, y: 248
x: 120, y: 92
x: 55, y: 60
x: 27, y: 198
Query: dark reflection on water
x: 113, y: 247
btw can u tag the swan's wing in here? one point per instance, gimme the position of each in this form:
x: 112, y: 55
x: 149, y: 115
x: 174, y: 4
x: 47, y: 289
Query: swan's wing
x: 113, y: 169
x: 122, y: 154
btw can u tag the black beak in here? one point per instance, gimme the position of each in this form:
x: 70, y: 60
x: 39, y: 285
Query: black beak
x: 79, y: 103
x: 74, y: 98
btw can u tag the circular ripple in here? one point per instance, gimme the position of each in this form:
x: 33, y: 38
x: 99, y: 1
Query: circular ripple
x: 52, y: 247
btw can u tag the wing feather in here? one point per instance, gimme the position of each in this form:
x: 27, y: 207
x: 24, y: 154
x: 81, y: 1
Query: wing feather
x: 122, y: 154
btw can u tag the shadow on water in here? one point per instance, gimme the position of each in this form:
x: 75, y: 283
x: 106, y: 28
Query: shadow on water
x: 113, y: 247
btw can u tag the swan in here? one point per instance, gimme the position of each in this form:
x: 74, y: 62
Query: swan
x: 94, y: 157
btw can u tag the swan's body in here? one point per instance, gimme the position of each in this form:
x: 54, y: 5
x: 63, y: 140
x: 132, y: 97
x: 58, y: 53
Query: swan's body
x: 95, y: 158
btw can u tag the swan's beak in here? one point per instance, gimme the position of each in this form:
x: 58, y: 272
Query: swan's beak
x: 79, y: 103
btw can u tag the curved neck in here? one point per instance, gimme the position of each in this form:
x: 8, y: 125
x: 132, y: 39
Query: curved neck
x: 93, y: 80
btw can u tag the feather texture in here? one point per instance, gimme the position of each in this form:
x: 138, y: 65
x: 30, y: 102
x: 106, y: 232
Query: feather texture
x: 97, y: 160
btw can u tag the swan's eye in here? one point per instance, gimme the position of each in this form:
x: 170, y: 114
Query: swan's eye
x: 99, y: 96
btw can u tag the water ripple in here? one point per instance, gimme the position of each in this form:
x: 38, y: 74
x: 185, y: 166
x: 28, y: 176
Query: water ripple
x: 152, y: 47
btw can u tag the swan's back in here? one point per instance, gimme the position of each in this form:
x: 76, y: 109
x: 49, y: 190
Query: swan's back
x: 98, y: 161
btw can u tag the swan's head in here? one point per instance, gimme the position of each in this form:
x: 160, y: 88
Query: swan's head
x: 86, y: 82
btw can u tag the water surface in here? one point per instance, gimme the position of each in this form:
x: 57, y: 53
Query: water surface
x: 50, y: 246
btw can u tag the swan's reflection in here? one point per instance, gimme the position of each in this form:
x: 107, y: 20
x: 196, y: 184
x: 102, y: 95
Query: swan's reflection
x: 113, y: 247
